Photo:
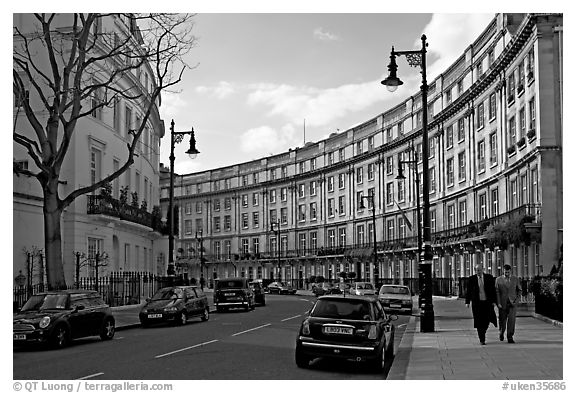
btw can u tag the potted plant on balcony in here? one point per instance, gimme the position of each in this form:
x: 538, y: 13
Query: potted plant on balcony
x: 511, y: 149
x: 521, y: 142
x: 134, y: 199
x: 124, y: 195
x: 496, y: 237
x: 106, y: 191
x: 531, y: 133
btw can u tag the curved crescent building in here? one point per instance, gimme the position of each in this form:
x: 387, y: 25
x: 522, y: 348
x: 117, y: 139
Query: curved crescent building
x: 495, y: 181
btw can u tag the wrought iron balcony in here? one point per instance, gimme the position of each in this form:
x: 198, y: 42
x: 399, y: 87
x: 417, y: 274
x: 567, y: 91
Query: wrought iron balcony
x: 99, y: 204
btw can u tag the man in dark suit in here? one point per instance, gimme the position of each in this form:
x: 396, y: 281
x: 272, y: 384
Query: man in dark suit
x: 508, y: 292
x: 482, y: 293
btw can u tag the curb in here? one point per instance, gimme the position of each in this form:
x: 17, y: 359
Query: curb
x: 548, y: 320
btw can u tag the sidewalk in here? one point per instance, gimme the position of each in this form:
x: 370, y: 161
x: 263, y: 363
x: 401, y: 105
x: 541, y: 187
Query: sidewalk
x: 453, y: 351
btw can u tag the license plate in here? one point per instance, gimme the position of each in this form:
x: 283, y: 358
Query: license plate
x: 396, y: 305
x: 337, y: 330
x: 154, y: 315
x: 19, y: 337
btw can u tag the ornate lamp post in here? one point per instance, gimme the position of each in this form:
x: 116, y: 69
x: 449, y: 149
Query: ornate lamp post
x: 200, y: 242
x: 417, y: 58
x: 370, y: 197
x: 417, y: 181
x: 176, y: 137
x: 277, y: 230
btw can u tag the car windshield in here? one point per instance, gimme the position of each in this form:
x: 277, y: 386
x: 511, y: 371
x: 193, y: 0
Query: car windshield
x: 364, y: 286
x: 342, y: 308
x: 167, y: 294
x: 46, y: 302
x: 233, y: 284
x: 395, y: 290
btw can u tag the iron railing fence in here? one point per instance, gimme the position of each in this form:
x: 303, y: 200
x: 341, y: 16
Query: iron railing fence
x: 117, y: 288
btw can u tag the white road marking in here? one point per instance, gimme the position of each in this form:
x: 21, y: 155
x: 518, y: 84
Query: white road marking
x: 249, y: 330
x: 91, y: 376
x: 287, y: 319
x: 185, y: 349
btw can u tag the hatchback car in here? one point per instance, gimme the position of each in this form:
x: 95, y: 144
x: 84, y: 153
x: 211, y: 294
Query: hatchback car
x: 175, y: 304
x: 347, y: 327
x: 259, y: 295
x: 396, y: 298
x: 56, y: 317
x: 233, y: 293
x: 281, y: 288
x: 362, y: 288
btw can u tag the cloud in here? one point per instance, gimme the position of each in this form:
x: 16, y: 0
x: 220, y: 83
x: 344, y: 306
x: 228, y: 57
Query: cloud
x: 222, y: 90
x: 171, y: 105
x: 448, y: 37
x: 265, y: 140
x: 323, y: 35
x: 318, y: 106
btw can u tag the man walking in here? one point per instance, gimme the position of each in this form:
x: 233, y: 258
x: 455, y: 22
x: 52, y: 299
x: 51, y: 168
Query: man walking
x: 508, y: 292
x: 482, y: 293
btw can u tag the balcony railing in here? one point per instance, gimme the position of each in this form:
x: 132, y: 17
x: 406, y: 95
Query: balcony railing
x: 99, y: 204
x: 473, y: 231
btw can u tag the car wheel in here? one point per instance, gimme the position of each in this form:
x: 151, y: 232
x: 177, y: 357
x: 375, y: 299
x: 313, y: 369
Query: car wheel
x: 60, y: 337
x: 182, y: 318
x: 206, y: 315
x: 302, y: 360
x: 108, y: 329
x: 247, y: 307
x: 253, y: 306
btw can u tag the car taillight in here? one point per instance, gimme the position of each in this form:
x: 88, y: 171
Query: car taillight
x: 306, y: 328
x: 373, y: 333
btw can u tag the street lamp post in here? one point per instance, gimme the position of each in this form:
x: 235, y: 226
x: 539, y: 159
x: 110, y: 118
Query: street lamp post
x: 417, y: 58
x: 417, y: 181
x: 200, y: 241
x: 370, y: 197
x: 176, y: 137
x: 277, y: 230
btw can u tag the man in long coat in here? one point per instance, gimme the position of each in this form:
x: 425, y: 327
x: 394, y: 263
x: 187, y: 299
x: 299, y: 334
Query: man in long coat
x: 482, y: 293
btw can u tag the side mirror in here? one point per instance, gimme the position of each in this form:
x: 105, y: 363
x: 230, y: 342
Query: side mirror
x: 79, y: 307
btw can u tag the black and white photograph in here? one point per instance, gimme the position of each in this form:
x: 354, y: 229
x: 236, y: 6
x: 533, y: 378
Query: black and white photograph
x: 287, y: 198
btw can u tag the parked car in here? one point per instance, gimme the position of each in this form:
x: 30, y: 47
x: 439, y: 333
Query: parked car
x: 362, y: 288
x: 259, y: 295
x: 175, y: 304
x: 339, y: 288
x: 346, y: 327
x: 56, y: 317
x: 323, y: 288
x: 233, y: 293
x: 396, y: 298
x: 281, y: 288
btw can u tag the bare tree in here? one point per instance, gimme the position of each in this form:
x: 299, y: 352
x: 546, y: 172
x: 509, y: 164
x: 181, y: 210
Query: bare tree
x: 63, y: 73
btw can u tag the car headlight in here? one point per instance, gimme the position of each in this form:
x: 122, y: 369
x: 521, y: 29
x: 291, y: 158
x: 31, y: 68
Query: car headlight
x: 306, y: 328
x: 44, y: 322
x: 171, y: 309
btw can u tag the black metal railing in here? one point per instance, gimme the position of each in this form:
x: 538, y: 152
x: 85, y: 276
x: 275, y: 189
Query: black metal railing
x: 117, y: 288
x: 100, y: 204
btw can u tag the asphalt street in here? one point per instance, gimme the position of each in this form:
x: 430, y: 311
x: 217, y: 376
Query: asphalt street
x: 236, y: 345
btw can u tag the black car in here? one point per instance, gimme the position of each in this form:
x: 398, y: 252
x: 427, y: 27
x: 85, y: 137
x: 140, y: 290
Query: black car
x: 259, y: 295
x: 56, y: 317
x: 175, y: 304
x: 347, y: 327
x: 233, y: 292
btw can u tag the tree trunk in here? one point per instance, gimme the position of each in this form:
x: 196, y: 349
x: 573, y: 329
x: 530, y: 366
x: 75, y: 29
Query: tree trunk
x: 53, y: 238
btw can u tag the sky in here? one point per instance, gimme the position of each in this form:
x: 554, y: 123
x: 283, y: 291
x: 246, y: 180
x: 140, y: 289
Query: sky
x: 263, y: 83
